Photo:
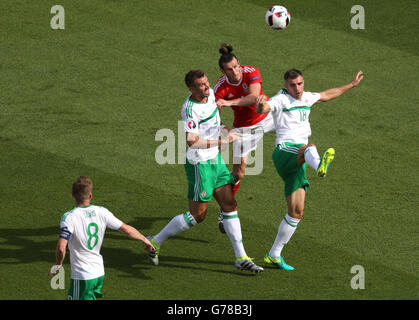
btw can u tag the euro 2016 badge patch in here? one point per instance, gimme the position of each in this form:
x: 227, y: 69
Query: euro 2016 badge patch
x: 191, y: 124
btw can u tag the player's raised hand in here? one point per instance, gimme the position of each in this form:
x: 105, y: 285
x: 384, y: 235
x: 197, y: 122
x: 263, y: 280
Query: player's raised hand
x: 359, y: 76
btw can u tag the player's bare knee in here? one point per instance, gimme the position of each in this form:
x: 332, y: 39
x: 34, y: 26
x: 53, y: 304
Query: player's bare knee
x: 300, y: 156
x: 230, y: 206
x: 233, y: 206
x: 200, y: 215
x: 299, y: 215
x: 296, y: 213
x: 302, y: 148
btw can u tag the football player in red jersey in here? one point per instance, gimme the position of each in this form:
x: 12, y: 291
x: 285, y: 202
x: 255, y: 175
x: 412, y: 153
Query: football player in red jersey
x: 239, y: 88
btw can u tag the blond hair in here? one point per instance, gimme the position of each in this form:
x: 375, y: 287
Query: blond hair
x: 82, y: 188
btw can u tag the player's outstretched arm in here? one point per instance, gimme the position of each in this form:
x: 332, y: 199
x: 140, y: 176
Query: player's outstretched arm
x: 133, y: 233
x: 336, y: 92
x: 246, y: 101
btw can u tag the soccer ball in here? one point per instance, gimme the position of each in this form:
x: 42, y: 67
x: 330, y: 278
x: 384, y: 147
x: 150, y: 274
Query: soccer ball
x: 278, y: 17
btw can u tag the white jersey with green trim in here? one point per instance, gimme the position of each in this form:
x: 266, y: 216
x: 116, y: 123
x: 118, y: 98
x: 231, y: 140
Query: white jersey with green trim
x: 291, y: 116
x: 84, y: 228
x: 202, y: 119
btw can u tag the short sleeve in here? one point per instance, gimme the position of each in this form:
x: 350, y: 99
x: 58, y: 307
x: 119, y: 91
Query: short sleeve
x: 312, y: 98
x: 66, y: 229
x: 190, y: 119
x: 111, y: 221
x: 275, y: 103
x: 254, y: 77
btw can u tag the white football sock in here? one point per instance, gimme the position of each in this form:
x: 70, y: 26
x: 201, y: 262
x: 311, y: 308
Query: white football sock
x: 178, y: 224
x: 285, y: 231
x: 312, y: 157
x: 233, y: 230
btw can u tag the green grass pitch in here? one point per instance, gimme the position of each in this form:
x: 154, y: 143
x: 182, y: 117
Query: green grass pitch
x: 89, y: 99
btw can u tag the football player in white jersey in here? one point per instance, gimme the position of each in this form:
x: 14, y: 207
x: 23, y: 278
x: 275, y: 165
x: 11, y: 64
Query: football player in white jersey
x: 83, y: 229
x: 206, y: 171
x: 290, y: 109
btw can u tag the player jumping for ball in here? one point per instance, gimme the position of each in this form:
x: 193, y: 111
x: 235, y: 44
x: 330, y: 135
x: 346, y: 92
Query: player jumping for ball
x: 290, y: 109
x: 239, y: 88
x: 206, y: 171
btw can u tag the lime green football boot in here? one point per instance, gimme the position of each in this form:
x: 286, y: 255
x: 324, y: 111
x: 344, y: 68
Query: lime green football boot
x: 246, y: 263
x: 154, y: 255
x: 279, y: 262
x: 327, y: 158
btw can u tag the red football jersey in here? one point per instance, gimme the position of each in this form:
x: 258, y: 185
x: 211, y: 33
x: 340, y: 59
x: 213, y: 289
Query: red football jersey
x: 223, y: 89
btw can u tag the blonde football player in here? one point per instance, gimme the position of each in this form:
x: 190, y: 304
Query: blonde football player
x: 290, y: 109
x: 206, y: 171
x: 83, y: 229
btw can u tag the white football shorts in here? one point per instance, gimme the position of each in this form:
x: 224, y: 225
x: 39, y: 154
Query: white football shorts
x: 250, y: 136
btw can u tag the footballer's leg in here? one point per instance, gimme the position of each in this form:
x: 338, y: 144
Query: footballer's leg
x: 308, y: 154
x: 228, y: 204
x: 200, y: 188
x: 239, y: 166
x: 225, y: 198
x: 178, y: 224
x: 251, y: 137
x: 241, y: 149
x: 286, y: 229
x: 294, y: 175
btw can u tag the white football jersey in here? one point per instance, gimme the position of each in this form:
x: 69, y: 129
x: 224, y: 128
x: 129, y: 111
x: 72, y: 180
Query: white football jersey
x: 291, y: 116
x: 84, y: 228
x: 202, y: 119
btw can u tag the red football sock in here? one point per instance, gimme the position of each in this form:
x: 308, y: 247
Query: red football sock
x: 236, y: 187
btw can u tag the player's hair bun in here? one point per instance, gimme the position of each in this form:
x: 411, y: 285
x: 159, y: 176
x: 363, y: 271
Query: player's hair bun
x: 226, y: 54
x: 226, y: 48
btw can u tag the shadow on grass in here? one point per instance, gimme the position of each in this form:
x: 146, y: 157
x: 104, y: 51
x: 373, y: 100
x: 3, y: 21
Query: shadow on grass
x: 29, y: 236
x: 26, y: 246
x: 19, y: 246
x: 186, y: 263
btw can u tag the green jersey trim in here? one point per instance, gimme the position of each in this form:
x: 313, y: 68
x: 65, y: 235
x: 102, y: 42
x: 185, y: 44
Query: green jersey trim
x: 193, y: 101
x: 211, y: 116
x: 65, y: 215
x: 189, y: 106
x: 89, y: 205
x: 296, y: 108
